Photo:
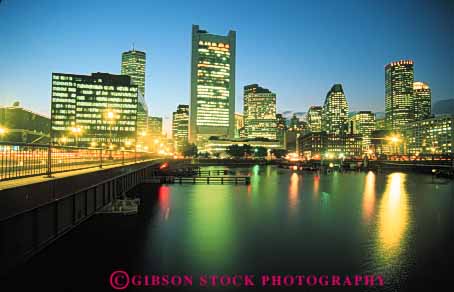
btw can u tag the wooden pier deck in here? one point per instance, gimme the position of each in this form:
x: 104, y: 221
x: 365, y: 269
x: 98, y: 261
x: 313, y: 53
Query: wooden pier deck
x: 201, y: 180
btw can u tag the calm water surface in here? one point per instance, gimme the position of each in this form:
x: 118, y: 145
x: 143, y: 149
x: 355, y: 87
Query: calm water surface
x: 397, y: 225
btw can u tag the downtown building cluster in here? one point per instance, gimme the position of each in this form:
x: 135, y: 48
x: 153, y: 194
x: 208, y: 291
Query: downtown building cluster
x: 105, y: 110
x: 109, y: 110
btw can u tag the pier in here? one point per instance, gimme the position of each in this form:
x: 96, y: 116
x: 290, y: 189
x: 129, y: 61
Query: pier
x: 200, y: 180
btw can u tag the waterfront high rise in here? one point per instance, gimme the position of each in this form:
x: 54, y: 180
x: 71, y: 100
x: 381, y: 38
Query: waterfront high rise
x: 423, y: 100
x: 133, y: 64
x: 399, y: 102
x: 430, y: 136
x: 314, y: 118
x: 363, y: 123
x: 96, y: 109
x: 335, y: 111
x: 180, y: 126
x: 212, y: 85
x: 259, y: 112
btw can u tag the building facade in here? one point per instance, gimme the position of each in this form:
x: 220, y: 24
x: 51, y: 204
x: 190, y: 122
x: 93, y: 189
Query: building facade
x: 399, y: 102
x: 180, y: 127
x: 154, y: 127
x: 363, y: 123
x: 133, y: 64
x: 423, y: 100
x: 212, y: 85
x: 94, y: 110
x: 220, y: 145
x: 22, y: 125
x: 239, y: 124
x: 314, y: 118
x: 335, y: 111
x: 430, y: 136
x: 281, y: 129
x: 259, y: 112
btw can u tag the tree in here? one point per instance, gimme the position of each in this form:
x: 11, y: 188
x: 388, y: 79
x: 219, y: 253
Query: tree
x: 247, y: 149
x: 189, y: 150
x: 260, y: 151
x: 235, y: 151
x: 279, y: 153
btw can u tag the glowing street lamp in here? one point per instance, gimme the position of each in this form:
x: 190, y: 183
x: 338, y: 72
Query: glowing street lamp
x: 76, y: 132
x: 3, y: 131
x: 394, y: 139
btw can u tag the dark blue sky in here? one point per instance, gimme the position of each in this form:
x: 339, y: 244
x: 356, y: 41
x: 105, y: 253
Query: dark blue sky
x: 298, y: 49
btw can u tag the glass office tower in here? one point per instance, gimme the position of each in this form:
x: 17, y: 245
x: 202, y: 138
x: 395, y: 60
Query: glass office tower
x: 180, y: 126
x: 212, y: 86
x: 423, y: 100
x: 363, y: 123
x: 399, y: 103
x: 335, y: 111
x: 259, y: 112
x: 314, y: 118
x: 93, y: 110
x: 133, y: 64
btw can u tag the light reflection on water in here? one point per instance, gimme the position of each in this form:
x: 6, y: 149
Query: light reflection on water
x: 393, y: 218
x: 343, y: 222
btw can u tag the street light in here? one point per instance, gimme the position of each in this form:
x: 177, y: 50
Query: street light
x: 3, y: 131
x: 394, y: 139
x: 76, y: 131
x: 110, y: 117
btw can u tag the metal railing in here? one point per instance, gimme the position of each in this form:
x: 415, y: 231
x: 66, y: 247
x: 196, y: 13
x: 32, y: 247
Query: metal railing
x: 18, y: 160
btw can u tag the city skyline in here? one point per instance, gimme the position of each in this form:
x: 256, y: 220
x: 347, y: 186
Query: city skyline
x: 297, y: 88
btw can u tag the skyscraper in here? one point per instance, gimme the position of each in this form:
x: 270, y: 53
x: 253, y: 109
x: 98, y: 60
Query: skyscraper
x: 335, y: 111
x: 423, y: 100
x: 180, y: 126
x: 399, y: 102
x: 314, y: 118
x: 155, y: 127
x: 212, y: 85
x: 133, y: 64
x: 363, y: 123
x: 88, y: 110
x: 259, y: 112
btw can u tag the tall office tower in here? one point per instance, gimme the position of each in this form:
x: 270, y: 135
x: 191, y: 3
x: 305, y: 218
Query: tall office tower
x: 259, y: 112
x: 363, y: 122
x: 133, y: 64
x: 281, y: 128
x: 423, y: 100
x: 180, y: 126
x: 239, y: 124
x: 96, y: 109
x: 399, y: 103
x: 335, y: 111
x: 212, y: 85
x: 314, y: 118
x: 155, y: 127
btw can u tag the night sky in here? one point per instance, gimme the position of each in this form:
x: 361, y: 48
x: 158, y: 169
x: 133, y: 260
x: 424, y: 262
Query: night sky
x: 297, y: 49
